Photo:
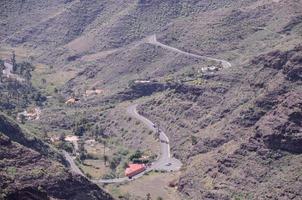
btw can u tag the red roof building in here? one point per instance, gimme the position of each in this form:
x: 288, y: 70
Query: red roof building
x: 134, y: 169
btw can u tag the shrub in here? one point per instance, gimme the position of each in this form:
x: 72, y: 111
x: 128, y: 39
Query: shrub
x: 136, y: 155
x: 193, y: 140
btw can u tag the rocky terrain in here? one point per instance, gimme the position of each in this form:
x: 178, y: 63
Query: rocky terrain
x: 240, y: 131
x: 237, y: 129
x: 28, y: 172
x: 76, y: 35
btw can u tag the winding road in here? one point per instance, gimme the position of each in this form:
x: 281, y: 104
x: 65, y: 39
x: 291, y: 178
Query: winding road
x: 153, y: 40
x: 164, y: 163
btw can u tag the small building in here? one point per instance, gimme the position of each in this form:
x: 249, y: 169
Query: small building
x: 72, y: 101
x: 30, y: 114
x: 54, y: 139
x: 134, y: 169
x: 142, y: 81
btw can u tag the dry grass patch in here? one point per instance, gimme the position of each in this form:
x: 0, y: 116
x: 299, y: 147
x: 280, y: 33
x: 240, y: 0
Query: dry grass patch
x: 157, y: 184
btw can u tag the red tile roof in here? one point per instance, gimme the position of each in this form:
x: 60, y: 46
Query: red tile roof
x: 134, y: 169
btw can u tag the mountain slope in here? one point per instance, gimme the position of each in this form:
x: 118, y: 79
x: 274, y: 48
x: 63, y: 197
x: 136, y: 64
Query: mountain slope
x: 240, y: 131
x: 27, y: 174
x: 96, y: 34
x: 237, y: 129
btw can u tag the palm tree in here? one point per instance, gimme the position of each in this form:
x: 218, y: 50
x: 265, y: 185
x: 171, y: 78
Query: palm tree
x: 13, y: 60
x: 2, y: 67
x: 22, y: 118
x: 104, y: 152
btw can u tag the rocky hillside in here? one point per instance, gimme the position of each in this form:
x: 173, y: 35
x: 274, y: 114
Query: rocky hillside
x: 15, y: 133
x: 108, y: 39
x: 28, y: 172
x: 236, y: 129
x: 240, y: 131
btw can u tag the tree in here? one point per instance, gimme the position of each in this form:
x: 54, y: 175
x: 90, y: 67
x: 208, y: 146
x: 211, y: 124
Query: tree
x: 83, y: 155
x: 137, y: 154
x: 27, y: 75
x: 2, y: 67
x: 193, y: 140
x: 104, y: 152
x: 82, y: 150
x: 43, y: 80
x: 115, y: 162
x: 78, y: 129
x: 13, y: 60
x: 125, y: 165
x: 25, y: 69
x: 62, y: 136
x: 22, y: 118
x: 95, y: 130
x: 105, y: 157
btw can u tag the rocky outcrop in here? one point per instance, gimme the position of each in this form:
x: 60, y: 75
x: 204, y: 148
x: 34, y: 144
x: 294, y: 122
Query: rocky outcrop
x: 289, y: 62
x: 281, y: 128
x: 240, y: 133
x: 137, y: 90
x: 12, y: 130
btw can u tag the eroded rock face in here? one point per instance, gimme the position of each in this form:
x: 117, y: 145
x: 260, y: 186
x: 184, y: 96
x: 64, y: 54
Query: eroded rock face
x: 281, y: 128
x: 27, y: 174
x: 247, y: 134
x: 289, y: 62
x: 28, y: 194
x: 14, y: 132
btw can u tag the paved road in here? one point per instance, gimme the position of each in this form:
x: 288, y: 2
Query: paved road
x: 72, y: 164
x: 164, y: 163
x: 153, y: 40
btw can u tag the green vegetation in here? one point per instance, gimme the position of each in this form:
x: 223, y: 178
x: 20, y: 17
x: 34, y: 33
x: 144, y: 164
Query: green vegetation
x: 37, y: 172
x: 11, y: 171
x: 17, y: 95
x: 193, y: 140
x: 136, y: 155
